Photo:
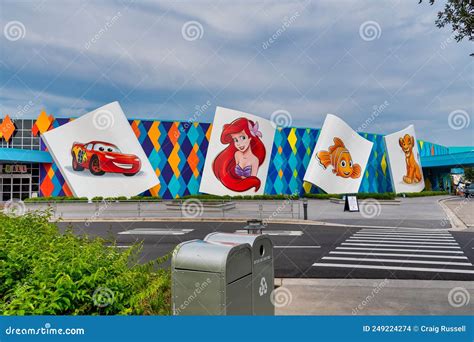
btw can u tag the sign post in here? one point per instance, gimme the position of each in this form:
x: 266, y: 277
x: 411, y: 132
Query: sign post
x: 351, y: 203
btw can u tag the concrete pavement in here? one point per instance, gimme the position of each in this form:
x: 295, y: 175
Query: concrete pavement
x: 463, y: 208
x: 373, y: 297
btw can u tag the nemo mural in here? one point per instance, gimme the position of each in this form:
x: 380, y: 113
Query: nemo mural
x: 340, y: 159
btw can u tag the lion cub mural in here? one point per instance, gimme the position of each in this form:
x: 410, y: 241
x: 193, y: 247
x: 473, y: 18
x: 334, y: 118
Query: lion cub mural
x: 413, y: 174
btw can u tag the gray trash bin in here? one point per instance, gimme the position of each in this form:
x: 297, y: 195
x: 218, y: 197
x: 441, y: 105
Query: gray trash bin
x: 263, y: 277
x: 211, y: 279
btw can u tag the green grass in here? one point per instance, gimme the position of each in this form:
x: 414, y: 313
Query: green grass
x: 44, y: 272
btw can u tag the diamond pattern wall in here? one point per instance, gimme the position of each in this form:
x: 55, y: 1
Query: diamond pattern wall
x: 177, y: 151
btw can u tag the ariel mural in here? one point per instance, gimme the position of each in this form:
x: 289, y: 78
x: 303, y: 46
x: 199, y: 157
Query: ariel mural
x: 236, y: 167
x: 237, y: 157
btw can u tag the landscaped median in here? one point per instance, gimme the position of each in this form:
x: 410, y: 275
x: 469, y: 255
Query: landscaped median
x: 205, y: 197
x: 44, y: 272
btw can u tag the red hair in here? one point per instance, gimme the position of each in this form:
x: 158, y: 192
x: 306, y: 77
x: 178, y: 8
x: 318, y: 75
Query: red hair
x: 224, y: 164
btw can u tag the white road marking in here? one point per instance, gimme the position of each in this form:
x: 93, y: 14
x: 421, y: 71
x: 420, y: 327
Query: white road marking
x: 402, y: 261
x: 399, y: 238
x: 399, y: 268
x: 155, y: 231
x: 285, y: 247
x: 402, y: 255
x: 408, y: 230
x: 400, y: 241
x: 399, y: 250
x: 277, y: 232
x: 383, y: 245
x: 408, y: 235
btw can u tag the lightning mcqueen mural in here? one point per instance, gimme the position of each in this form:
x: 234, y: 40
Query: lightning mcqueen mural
x: 101, y: 157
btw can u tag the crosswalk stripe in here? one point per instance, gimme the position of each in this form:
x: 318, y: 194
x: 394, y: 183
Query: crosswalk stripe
x: 431, y: 230
x: 402, y: 261
x: 398, y: 268
x: 399, y: 241
x: 399, y: 250
x: 402, y: 255
x: 401, y: 238
x: 409, y: 231
x: 408, y: 235
x: 389, y: 245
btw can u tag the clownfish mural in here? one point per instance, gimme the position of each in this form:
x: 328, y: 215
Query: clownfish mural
x: 339, y: 157
x: 236, y: 167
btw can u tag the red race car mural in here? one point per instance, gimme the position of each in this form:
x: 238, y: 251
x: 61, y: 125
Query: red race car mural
x: 101, y: 157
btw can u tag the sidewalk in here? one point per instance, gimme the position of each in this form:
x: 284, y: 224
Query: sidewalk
x: 463, y: 208
x: 422, y: 212
x: 373, y: 297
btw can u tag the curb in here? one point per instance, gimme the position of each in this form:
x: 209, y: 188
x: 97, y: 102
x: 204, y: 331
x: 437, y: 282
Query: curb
x: 185, y: 219
x: 456, y: 223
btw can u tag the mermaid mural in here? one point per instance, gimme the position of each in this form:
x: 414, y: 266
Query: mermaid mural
x: 236, y: 167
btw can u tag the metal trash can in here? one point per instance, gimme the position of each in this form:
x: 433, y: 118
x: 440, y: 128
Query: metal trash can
x: 263, y: 276
x: 211, y: 279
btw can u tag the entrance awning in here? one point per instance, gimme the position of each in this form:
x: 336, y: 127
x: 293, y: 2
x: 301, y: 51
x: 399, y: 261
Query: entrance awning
x: 24, y: 156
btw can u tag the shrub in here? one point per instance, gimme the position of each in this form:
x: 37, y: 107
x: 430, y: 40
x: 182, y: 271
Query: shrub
x: 423, y: 194
x: 43, y: 272
x: 361, y: 195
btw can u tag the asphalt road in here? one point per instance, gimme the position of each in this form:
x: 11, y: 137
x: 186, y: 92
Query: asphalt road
x: 318, y: 251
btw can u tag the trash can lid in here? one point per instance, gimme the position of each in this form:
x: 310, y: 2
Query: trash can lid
x: 198, y: 255
x: 225, y: 238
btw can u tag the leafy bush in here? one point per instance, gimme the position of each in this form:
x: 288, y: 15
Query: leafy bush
x: 361, y: 195
x: 44, y: 272
x: 56, y: 199
x: 423, y: 194
x: 206, y: 197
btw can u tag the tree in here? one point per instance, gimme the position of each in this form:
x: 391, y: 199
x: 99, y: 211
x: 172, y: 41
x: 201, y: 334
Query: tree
x: 469, y: 174
x: 460, y: 14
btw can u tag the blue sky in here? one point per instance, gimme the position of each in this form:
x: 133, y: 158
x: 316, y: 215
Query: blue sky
x: 348, y: 58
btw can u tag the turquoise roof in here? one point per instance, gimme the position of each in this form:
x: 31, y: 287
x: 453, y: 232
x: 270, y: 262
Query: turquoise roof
x: 25, y: 156
x: 449, y: 160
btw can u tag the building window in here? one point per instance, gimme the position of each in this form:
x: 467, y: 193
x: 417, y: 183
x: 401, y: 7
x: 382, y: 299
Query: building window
x: 22, y: 137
